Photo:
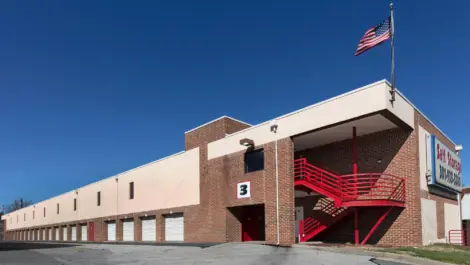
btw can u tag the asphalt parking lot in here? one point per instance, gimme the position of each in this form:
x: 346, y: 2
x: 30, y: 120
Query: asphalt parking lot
x: 225, y: 254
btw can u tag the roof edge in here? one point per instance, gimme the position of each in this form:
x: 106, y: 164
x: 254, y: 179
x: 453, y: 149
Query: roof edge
x: 100, y: 180
x: 420, y: 112
x: 221, y: 117
x: 311, y: 106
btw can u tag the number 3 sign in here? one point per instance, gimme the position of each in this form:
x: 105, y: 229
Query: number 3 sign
x: 243, y: 190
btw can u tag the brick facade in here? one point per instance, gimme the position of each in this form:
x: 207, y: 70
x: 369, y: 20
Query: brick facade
x: 212, y: 132
x: 392, y: 151
x: 217, y: 218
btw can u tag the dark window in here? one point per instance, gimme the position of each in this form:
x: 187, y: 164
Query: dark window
x: 131, y: 190
x: 254, y: 161
x: 74, y: 204
x: 33, y: 214
x: 44, y: 211
x: 98, y: 202
x: 57, y: 208
x: 24, y: 217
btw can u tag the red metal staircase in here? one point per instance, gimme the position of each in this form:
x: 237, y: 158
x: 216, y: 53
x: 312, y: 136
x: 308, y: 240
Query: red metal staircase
x: 312, y: 226
x: 346, y: 192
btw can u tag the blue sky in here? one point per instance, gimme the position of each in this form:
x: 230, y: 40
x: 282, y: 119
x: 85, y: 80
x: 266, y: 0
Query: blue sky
x: 92, y: 88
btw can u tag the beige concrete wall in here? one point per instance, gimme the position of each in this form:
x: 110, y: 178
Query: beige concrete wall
x: 362, y: 101
x: 466, y: 207
x: 165, y: 183
x: 169, y: 183
x: 429, y: 221
x: 401, y: 107
x: 451, y: 218
x: 88, y: 199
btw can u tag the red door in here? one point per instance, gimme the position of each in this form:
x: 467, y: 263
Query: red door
x: 91, y: 231
x: 252, y: 223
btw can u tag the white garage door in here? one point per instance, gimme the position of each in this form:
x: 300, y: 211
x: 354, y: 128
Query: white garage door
x: 64, y: 233
x: 56, y: 233
x: 50, y: 233
x: 174, y: 227
x: 149, y: 229
x: 44, y: 234
x: 84, y: 233
x: 128, y: 230
x: 74, y: 233
x: 111, y: 231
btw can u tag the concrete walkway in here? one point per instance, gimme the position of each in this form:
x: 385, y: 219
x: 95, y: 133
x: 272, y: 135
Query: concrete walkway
x: 375, y: 255
x: 224, y: 254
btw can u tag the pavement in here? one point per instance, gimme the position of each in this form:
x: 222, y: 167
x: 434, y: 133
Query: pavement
x: 226, y: 254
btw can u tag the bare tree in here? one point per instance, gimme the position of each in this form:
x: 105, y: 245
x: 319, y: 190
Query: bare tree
x: 17, y: 204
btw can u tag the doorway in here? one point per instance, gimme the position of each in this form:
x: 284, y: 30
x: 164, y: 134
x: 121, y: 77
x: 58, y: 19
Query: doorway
x: 252, y: 222
x: 299, y: 215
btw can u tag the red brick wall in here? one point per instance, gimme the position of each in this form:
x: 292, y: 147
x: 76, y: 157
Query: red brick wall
x: 215, y: 219
x: 397, y: 149
x: 212, y: 132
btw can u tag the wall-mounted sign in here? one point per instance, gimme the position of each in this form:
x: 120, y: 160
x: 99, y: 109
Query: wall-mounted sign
x: 446, y: 166
x: 243, y: 190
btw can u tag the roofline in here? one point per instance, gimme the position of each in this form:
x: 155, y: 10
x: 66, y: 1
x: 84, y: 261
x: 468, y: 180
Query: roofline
x: 311, y: 106
x: 420, y: 112
x: 221, y: 117
x: 98, y: 181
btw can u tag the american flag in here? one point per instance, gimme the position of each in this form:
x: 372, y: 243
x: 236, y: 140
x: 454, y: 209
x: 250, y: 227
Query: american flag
x: 375, y: 36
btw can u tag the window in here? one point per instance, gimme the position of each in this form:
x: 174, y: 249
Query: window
x: 33, y: 214
x: 16, y: 218
x: 24, y: 216
x: 254, y: 161
x: 131, y: 190
x: 57, y: 208
x: 44, y: 211
x: 98, y: 202
x: 74, y: 204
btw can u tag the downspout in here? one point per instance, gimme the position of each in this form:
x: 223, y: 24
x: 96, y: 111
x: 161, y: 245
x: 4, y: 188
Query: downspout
x: 460, y: 214
x: 277, y: 193
x: 273, y: 127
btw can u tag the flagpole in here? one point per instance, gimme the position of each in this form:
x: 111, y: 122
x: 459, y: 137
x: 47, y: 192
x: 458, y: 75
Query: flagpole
x: 392, y: 31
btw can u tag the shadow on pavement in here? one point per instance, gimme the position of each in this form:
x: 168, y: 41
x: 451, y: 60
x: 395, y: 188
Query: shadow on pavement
x: 18, y: 245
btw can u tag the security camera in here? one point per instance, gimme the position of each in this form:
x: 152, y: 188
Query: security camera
x: 273, y: 125
x: 458, y: 148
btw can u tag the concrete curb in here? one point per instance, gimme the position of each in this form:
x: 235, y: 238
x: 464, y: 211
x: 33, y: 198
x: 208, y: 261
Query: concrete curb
x: 377, y: 255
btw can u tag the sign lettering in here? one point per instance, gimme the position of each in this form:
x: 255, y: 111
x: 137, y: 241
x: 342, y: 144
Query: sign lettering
x: 447, y: 167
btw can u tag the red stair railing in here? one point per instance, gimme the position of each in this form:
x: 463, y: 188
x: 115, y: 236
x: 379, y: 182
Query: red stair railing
x: 372, y: 186
x: 319, y: 176
x: 458, y: 237
x: 353, y: 187
x: 310, y: 224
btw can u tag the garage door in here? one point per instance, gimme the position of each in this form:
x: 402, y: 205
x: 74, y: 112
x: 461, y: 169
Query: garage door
x: 64, y: 233
x: 57, y: 233
x: 111, y: 231
x: 174, y: 227
x: 84, y: 233
x: 73, y: 233
x: 128, y: 230
x: 149, y: 229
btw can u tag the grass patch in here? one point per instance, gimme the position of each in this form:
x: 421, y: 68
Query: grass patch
x: 439, y: 252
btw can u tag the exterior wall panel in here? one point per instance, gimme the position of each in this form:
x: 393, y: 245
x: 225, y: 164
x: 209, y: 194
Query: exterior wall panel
x: 170, y: 182
x: 364, y: 101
